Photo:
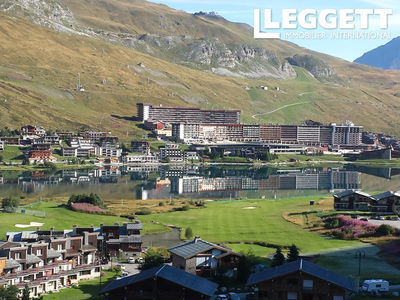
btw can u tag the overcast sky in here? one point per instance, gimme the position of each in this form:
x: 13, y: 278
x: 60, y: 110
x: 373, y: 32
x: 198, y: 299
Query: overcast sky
x: 349, y: 49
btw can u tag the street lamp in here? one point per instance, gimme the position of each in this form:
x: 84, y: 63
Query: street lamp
x: 359, y: 254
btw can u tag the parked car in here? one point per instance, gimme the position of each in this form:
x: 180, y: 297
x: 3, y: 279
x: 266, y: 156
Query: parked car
x: 396, y: 219
x: 375, y: 286
x: 131, y: 260
x: 140, y: 260
x: 381, y: 218
x: 120, y: 266
x: 364, y: 219
x: 123, y: 275
x: 221, y: 297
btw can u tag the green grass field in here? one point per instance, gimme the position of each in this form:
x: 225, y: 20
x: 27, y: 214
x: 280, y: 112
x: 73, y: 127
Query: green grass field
x: 62, y: 218
x: 12, y: 154
x: 234, y: 225
x: 230, y: 222
x: 257, y: 250
x: 372, y: 266
x: 85, y: 290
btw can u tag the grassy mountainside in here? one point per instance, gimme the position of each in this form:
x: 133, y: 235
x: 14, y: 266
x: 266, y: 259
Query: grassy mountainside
x: 38, y: 71
x: 143, y: 17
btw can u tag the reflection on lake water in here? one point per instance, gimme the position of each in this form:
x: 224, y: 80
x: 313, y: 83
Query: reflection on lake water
x: 192, y: 181
x: 166, y: 239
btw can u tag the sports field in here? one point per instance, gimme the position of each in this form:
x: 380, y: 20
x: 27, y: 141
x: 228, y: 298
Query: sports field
x: 254, y: 220
x: 281, y: 222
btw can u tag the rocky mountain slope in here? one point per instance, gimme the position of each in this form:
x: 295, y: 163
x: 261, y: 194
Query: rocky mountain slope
x: 135, y: 51
x: 191, y: 40
x: 384, y: 57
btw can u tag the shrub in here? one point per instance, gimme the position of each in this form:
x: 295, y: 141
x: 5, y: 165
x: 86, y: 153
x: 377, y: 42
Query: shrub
x: 161, y: 204
x: 51, y: 166
x: 88, y: 208
x: 9, y: 202
x: 198, y: 203
x: 152, y: 258
x: 331, y: 223
x: 349, y: 228
x: 183, y: 208
x: 384, y: 230
x: 143, y: 211
x: 92, y: 198
x: 188, y: 233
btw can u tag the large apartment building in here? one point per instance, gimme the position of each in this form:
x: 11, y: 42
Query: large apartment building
x: 311, y: 135
x: 50, y: 260
x: 332, y: 180
x: 167, y: 114
x: 346, y: 134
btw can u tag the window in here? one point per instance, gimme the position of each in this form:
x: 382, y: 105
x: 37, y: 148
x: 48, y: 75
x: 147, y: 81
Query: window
x: 17, y: 255
x: 291, y: 296
x: 39, y: 252
x: 59, y: 247
x: 307, y: 284
x: 337, y: 297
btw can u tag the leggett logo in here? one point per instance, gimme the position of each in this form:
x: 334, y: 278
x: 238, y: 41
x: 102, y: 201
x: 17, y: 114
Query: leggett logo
x: 342, y: 19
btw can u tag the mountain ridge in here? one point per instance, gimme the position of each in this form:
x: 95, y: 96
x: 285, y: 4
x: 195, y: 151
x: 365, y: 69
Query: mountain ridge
x: 385, y: 57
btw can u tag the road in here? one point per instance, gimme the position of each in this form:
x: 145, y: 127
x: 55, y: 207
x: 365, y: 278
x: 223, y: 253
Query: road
x: 131, y: 269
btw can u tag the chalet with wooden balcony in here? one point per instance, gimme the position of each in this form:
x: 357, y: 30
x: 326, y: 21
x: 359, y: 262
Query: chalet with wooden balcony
x: 352, y: 200
x: 164, y: 282
x: 202, y: 258
x: 387, y: 202
x: 115, y: 238
x: 301, y: 280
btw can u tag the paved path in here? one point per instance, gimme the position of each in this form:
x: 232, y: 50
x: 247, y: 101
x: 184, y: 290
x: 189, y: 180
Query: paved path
x: 282, y: 107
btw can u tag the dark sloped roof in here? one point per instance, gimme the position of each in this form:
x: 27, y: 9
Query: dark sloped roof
x: 385, y: 195
x: 306, y: 267
x: 8, y: 245
x: 11, y: 263
x: 51, y: 253
x: 177, y: 276
x: 350, y: 192
x: 32, y: 259
x: 193, y: 247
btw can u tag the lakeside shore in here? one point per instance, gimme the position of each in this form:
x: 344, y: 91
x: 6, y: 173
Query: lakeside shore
x: 333, y: 163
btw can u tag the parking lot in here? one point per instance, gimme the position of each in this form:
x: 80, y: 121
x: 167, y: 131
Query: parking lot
x: 395, y: 224
x: 131, y: 269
